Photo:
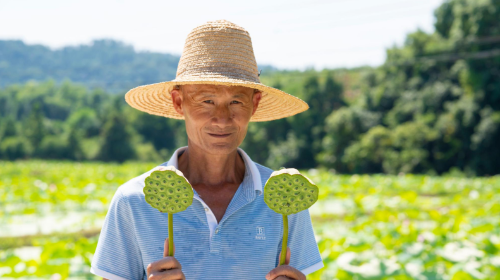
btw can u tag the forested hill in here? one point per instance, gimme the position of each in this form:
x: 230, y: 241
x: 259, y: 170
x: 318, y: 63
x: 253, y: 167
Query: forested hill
x: 432, y: 107
x: 107, y: 64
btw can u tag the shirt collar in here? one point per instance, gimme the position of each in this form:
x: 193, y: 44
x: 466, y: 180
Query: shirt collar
x: 249, y: 166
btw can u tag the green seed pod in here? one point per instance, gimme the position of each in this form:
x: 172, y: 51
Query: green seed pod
x: 168, y: 191
x: 150, y: 198
x: 289, y: 192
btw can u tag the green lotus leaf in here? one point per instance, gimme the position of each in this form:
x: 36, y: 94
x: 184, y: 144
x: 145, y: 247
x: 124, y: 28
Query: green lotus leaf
x: 168, y: 191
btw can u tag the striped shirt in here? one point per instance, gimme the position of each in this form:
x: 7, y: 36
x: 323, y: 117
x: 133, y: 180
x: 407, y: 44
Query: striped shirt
x: 245, y: 244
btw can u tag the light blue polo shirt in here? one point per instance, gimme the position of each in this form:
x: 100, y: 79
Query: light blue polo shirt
x: 244, y: 245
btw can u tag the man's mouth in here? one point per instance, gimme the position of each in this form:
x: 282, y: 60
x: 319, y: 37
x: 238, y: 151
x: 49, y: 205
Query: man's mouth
x: 219, y: 135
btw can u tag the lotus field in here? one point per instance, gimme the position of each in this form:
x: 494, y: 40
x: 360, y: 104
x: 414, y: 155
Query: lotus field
x: 367, y: 226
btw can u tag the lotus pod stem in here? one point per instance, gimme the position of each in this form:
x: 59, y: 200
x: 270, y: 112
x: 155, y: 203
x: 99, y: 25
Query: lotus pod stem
x: 171, y: 234
x: 285, y: 240
x: 288, y: 192
x: 168, y: 191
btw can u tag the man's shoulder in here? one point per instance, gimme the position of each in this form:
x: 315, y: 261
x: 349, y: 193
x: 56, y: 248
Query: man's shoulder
x: 134, y: 186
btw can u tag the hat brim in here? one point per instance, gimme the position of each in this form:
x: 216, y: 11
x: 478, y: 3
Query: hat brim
x: 155, y: 99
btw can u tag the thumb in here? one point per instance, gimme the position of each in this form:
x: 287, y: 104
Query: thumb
x: 287, y: 258
x: 165, y: 248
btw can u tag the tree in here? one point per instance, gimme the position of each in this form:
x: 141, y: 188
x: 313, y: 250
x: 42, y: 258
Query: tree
x: 15, y: 147
x: 343, y: 127
x: 34, y: 128
x: 116, y: 137
x: 8, y: 128
x: 75, y: 151
x: 157, y: 130
x: 439, y: 93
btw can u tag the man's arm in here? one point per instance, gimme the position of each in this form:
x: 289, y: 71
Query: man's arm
x: 117, y: 254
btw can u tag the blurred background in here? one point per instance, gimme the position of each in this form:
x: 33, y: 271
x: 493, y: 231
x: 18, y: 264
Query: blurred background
x: 402, y: 135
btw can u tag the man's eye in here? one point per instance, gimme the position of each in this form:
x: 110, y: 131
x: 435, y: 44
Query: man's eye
x: 208, y: 101
x: 235, y: 101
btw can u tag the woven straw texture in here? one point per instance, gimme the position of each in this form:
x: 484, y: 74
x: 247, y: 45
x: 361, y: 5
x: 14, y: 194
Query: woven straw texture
x: 219, y: 53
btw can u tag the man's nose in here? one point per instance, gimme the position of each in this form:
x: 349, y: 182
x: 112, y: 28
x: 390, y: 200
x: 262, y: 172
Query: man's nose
x: 222, y: 115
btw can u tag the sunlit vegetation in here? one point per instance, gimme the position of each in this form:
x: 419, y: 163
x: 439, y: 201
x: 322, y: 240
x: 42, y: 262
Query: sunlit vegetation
x: 367, y: 227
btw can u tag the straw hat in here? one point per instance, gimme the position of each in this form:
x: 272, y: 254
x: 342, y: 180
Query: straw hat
x: 218, y: 53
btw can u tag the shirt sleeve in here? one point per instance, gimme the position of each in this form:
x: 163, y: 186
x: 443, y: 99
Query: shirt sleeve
x: 304, y: 251
x: 117, y: 256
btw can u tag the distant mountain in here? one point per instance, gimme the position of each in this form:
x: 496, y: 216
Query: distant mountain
x: 108, y: 64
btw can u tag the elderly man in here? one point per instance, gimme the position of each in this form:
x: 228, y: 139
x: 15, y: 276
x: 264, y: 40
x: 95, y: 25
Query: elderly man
x: 228, y: 232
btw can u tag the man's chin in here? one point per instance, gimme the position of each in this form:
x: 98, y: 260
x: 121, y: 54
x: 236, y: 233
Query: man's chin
x: 221, y: 147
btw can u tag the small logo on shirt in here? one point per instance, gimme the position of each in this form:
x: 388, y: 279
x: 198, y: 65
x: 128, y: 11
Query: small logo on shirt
x: 261, y: 234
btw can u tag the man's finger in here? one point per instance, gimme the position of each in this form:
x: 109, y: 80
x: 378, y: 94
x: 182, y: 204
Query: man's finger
x: 285, y: 270
x: 175, y: 274
x: 287, y: 258
x: 165, y: 248
x: 167, y: 263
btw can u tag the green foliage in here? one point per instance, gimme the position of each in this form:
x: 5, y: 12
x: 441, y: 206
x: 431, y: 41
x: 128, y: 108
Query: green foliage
x: 403, y: 149
x: 33, y: 192
x: 103, y: 63
x: 284, y: 152
x: 342, y: 128
x: 8, y: 128
x: 159, y: 130
x: 436, y: 96
x: 433, y: 107
x: 86, y: 121
x: 75, y: 151
x: 116, y: 137
x: 406, y: 227
x: 296, y: 140
x: 376, y: 227
x: 15, y: 148
x: 52, y: 147
x: 34, y: 128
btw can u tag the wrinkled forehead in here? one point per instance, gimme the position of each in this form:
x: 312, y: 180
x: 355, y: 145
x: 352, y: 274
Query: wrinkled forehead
x: 217, y: 90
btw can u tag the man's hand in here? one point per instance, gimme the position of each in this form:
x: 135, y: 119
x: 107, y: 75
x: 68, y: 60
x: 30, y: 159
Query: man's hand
x: 285, y: 272
x: 167, y: 268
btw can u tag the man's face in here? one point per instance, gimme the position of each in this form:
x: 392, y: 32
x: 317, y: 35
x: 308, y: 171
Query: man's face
x: 216, y: 116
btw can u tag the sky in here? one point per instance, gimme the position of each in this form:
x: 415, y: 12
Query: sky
x: 287, y: 34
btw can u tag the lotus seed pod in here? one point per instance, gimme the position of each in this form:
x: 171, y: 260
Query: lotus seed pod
x: 168, y: 190
x: 289, y: 192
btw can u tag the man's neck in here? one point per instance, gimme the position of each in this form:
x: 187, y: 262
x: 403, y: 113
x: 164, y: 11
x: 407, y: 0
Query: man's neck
x: 209, y: 169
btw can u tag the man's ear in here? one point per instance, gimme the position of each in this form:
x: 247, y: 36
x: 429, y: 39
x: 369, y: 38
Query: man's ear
x: 176, y: 96
x: 256, y: 100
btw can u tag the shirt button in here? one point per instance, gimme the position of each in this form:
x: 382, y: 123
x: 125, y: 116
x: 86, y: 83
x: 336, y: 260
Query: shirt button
x: 206, y: 209
x: 216, y: 231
